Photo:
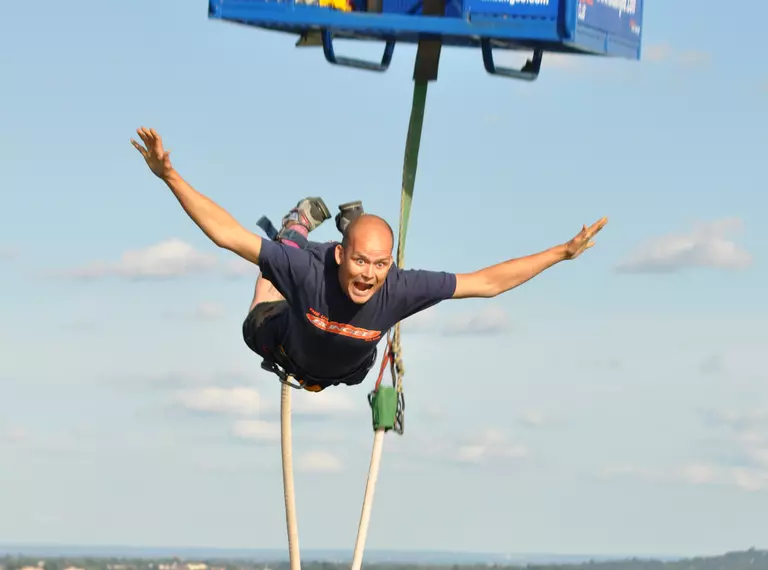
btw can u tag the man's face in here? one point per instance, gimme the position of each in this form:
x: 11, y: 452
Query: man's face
x: 363, y: 265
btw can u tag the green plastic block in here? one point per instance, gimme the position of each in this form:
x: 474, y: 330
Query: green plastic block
x: 384, y: 408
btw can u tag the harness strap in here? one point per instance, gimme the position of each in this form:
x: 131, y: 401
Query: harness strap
x: 269, y: 228
x: 287, y: 369
x: 280, y: 372
x: 285, y: 377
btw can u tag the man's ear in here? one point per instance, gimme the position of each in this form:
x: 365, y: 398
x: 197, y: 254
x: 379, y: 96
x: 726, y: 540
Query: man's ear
x: 338, y: 253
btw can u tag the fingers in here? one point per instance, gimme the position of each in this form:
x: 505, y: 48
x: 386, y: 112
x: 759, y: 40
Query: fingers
x: 596, y: 227
x: 583, y: 240
x: 153, y: 145
x: 599, y: 225
x: 152, y: 140
x: 140, y: 148
x: 156, y: 136
x: 145, y: 135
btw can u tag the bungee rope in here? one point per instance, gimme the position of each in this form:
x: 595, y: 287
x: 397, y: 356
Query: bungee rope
x: 387, y: 403
x: 388, y: 406
x: 288, y: 489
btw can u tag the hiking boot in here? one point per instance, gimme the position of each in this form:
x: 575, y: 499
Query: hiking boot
x: 347, y: 213
x: 309, y: 212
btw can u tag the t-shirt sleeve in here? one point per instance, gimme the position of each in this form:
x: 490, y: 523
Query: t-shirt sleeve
x: 286, y: 267
x: 419, y: 289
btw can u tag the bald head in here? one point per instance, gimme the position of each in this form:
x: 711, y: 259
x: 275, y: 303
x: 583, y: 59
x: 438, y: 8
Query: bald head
x: 369, y: 231
x: 365, y: 257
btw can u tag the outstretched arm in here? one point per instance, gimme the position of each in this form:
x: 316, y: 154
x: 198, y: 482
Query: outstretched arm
x: 502, y: 277
x: 215, y: 222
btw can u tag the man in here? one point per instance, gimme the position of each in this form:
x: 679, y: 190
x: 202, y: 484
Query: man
x: 320, y: 309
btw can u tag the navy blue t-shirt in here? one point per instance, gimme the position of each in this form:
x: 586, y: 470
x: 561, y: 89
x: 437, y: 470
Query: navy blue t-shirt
x: 329, y: 335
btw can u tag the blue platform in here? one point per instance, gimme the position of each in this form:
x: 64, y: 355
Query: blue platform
x: 593, y: 27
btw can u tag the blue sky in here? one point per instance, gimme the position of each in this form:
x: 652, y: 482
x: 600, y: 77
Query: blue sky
x: 616, y: 404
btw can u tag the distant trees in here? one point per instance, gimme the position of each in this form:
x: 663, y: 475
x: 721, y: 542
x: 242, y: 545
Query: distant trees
x: 750, y: 559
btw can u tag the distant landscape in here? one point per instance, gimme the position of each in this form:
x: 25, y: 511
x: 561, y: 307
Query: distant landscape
x: 24, y: 557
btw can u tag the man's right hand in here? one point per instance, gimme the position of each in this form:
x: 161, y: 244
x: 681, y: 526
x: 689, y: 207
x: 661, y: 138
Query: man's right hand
x: 158, y: 160
x: 215, y: 222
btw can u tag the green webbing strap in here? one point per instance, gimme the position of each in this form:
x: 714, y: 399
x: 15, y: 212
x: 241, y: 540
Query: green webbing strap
x: 410, y: 163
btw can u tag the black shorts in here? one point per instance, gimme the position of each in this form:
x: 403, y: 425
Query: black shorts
x: 264, y: 329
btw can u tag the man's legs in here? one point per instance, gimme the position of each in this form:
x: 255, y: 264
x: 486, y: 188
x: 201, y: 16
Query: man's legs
x: 264, y: 324
x: 308, y: 214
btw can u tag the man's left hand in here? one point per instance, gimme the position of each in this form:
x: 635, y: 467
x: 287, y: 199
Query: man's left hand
x: 583, y: 240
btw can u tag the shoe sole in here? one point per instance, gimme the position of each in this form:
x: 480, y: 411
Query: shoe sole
x: 351, y: 205
x: 323, y: 208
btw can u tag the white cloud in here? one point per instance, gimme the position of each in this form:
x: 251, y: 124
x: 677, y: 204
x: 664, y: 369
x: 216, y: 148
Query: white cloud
x: 605, y: 363
x: 492, y: 319
x: 54, y: 441
x: 489, y: 445
x: 486, y: 447
x: 245, y: 401
x: 750, y: 479
x: 694, y: 58
x: 256, y: 430
x: 657, y: 52
x: 707, y: 245
x: 420, y: 322
x: 664, y: 52
x: 694, y: 473
x: 187, y: 379
x: 697, y: 473
x: 270, y: 431
x: 536, y: 419
x: 712, y: 365
x: 205, y: 311
x: 14, y: 435
x: 318, y: 462
x: 329, y: 402
x: 742, y: 421
x: 7, y: 252
x: 234, y: 401
x: 746, y: 446
x: 209, y: 311
x: 239, y: 267
x: 169, y: 258
x: 627, y: 469
x: 745, y: 478
x: 758, y: 454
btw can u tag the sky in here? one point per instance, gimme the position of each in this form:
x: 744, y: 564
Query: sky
x: 617, y: 403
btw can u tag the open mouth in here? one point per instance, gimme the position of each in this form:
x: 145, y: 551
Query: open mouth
x: 363, y: 287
